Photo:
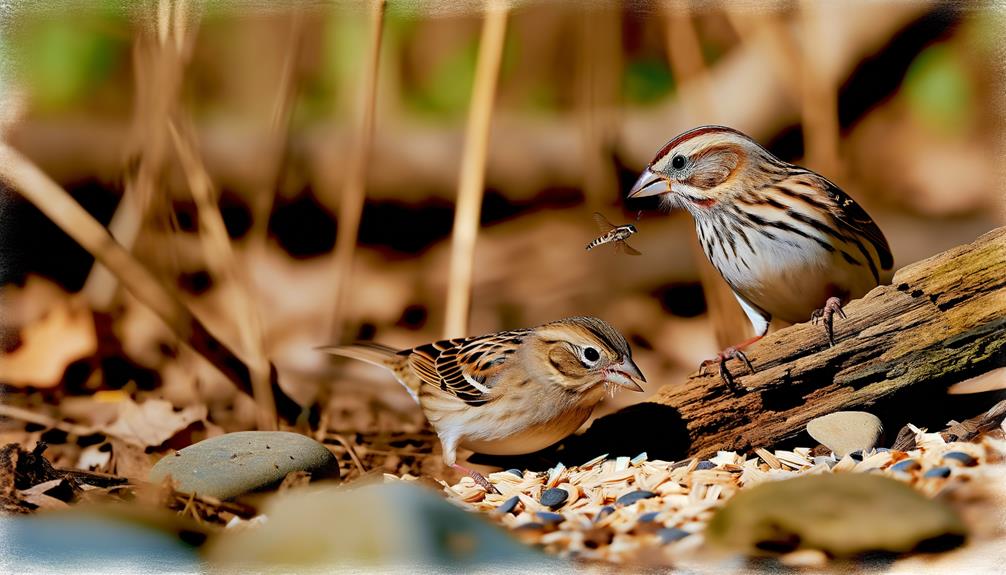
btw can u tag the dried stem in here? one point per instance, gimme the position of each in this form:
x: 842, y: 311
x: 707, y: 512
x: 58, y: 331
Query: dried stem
x: 351, y: 201
x: 223, y: 264
x: 472, y: 178
x: 688, y: 67
x: 819, y: 90
x: 599, y: 71
x: 53, y: 201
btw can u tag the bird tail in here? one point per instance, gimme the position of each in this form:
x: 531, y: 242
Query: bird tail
x: 381, y: 356
x: 373, y: 353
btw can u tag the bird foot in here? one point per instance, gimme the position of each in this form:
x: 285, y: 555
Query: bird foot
x: 733, y: 352
x: 478, y: 478
x: 826, y: 316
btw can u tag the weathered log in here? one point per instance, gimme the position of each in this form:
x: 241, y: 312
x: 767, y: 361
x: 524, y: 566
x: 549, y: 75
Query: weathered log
x: 942, y: 320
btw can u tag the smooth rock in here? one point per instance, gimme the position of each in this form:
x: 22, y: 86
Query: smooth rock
x: 235, y: 463
x: 634, y: 496
x: 554, y: 498
x: 83, y: 540
x: 378, y: 527
x: 844, y: 515
x: 844, y: 432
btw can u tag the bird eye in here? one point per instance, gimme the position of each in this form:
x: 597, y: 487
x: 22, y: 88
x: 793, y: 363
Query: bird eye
x: 678, y: 162
x: 590, y: 354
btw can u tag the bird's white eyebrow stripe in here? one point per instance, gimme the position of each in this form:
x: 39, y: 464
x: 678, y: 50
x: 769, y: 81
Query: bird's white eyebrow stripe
x: 474, y: 383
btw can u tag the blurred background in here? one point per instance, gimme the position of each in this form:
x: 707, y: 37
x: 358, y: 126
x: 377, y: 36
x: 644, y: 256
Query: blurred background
x: 138, y: 108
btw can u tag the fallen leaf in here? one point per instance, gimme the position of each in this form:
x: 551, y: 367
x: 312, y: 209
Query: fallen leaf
x: 48, y: 346
x: 152, y: 422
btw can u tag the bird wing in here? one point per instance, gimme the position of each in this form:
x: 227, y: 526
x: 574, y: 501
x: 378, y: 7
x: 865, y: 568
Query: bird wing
x: 602, y: 223
x: 464, y: 368
x: 851, y: 214
x: 629, y: 249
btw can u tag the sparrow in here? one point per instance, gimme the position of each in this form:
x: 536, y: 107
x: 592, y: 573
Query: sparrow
x: 790, y: 243
x: 511, y: 392
x: 612, y: 233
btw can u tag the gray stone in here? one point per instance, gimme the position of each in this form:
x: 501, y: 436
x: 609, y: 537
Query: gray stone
x: 235, y: 463
x: 844, y: 432
x: 843, y: 514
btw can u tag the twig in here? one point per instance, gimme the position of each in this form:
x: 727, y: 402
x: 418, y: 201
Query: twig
x: 21, y: 175
x: 351, y: 201
x: 819, y: 90
x: 350, y: 450
x: 222, y: 262
x: 472, y: 177
x: 685, y: 54
x: 41, y: 419
x: 599, y: 70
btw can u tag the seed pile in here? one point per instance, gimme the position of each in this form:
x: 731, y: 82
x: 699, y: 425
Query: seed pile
x: 629, y: 510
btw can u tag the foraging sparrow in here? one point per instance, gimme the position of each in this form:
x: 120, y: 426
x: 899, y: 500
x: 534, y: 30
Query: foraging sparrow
x: 789, y: 243
x: 510, y: 392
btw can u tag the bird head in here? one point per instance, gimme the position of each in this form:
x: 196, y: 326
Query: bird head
x: 699, y: 168
x: 585, y: 353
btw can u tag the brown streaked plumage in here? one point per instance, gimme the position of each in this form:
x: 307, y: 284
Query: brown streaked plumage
x: 789, y: 242
x: 510, y: 392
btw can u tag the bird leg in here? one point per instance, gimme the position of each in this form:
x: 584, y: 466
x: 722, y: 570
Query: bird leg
x: 478, y: 478
x: 827, y: 315
x: 732, y: 352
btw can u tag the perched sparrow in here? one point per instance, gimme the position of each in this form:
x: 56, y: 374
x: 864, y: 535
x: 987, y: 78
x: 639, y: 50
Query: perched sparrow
x: 510, y: 392
x: 790, y: 243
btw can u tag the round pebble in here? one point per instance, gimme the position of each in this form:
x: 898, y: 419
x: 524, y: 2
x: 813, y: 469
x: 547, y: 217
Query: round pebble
x: 508, y: 505
x: 235, y: 463
x: 554, y: 498
x: 672, y: 534
x: 630, y: 498
x: 906, y: 465
x: 548, y: 517
x: 703, y: 465
x: 937, y: 472
x: 846, y: 431
x: 516, y: 472
x: 960, y: 457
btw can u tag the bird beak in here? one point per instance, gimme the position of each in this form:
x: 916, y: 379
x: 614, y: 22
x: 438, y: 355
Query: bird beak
x: 625, y: 374
x: 649, y: 184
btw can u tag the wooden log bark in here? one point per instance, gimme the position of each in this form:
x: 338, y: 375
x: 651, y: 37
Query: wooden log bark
x: 941, y: 321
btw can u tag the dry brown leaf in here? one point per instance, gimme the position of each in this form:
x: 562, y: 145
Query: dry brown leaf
x: 152, y: 422
x: 48, y: 346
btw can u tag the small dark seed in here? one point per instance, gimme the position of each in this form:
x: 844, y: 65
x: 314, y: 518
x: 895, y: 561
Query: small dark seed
x: 906, y: 465
x: 672, y: 534
x: 682, y: 463
x: 554, y: 498
x: 549, y: 517
x: 630, y: 498
x: 960, y: 456
x: 604, y: 512
x: 530, y: 526
x: 508, y: 505
x: 857, y: 455
x: 937, y: 472
x: 882, y: 450
x: 648, y: 517
x: 516, y: 472
x: 703, y: 465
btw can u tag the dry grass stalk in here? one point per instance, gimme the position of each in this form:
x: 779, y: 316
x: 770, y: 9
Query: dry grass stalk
x: 472, y: 177
x: 157, y: 67
x: 598, y: 71
x: 223, y: 264
x: 819, y: 83
x: 685, y: 54
x: 351, y: 201
x: 53, y: 201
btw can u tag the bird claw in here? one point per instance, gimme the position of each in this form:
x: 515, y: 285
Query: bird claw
x: 478, y: 478
x: 826, y: 315
x: 721, y: 359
